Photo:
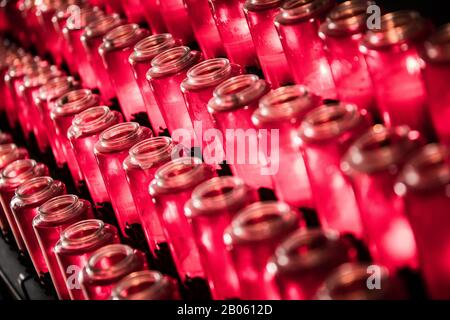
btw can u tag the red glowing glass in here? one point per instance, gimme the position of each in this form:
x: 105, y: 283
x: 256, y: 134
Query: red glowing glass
x: 260, y: 16
x: 210, y: 211
x: 373, y: 163
x: 83, y: 135
x: 106, y: 267
x: 60, y: 46
x: 168, y: 71
x: 234, y: 32
x: 146, y: 285
x: 92, y: 38
x: 298, y: 25
x: 12, y: 176
x: 325, y: 135
x: 152, y: 11
x: 171, y: 189
x: 391, y: 54
x: 424, y: 184
x: 205, y: 28
x: 436, y: 72
x: 232, y: 106
x: 176, y: 20
x: 283, y: 110
x: 342, y: 32
x: 134, y: 11
x: 110, y: 151
x: 76, y: 245
x: 114, y: 6
x: 62, y: 114
x: 140, y: 61
x: 117, y: 46
x: 198, y: 88
x: 251, y: 239
x: 29, y: 196
x: 140, y: 166
x: 54, y: 216
x: 302, y: 263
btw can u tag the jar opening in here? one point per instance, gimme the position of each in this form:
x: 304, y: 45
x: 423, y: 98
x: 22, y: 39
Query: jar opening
x: 151, y: 46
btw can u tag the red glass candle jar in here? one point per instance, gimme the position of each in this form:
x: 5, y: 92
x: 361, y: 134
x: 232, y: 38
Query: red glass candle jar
x: 92, y: 38
x: 424, y: 183
x: 391, y: 54
x: 302, y: 263
x: 134, y: 11
x: 83, y: 135
x: 252, y: 237
x: 72, y: 32
x: 48, y: 94
x: 114, y: 6
x: 260, y: 16
x: 29, y: 196
x: 146, y: 285
x: 62, y: 114
x: 140, y: 61
x: 54, y: 216
x: 117, y: 46
x: 349, y: 282
x: 168, y: 71
x: 437, y: 69
x: 283, y: 110
x: 176, y: 20
x: 12, y: 176
x: 198, y: 88
x: 298, y: 25
x: 76, y: 245
x: 342, y: 32
x: 325, y: 135
x: 110, y: 151
x: 59, y: 22
x: 152, y: 12
x: 234, y: 31
x: 144, y: 159
x: 205, y: 28
x: 171, y: 189
x: 232, y: 106
x: 373, y: 163
x: 210, y: 210
x: 106, y: 267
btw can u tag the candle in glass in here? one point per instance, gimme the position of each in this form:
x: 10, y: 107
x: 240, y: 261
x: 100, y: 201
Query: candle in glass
x: 176, y: 20
x: 152, y: 12
x: 133, y: 10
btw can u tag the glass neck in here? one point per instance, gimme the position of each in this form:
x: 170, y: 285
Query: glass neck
x: 172, y: 61
x: 61, y: 209
x: 38, y: 189
x: 9, y: 153
x: 94, y: 120
x: 150, y: 47
x: 259, y: 5
x: 237, y: 92
x: 41, y: 77
x: 83, y: 234
x: 75, y: 101
x: 302, y: 10
x: 120, y: 137
x: 56, y: 87
x: 151, y: 151
x: 124, y: 36
x: 208, y: 73
x: 103, y: 25
x: 262, y: 221
x: 19, y: 171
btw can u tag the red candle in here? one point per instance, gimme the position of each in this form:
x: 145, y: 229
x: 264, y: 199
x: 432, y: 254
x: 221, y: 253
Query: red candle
x: 251, y: 239
x: 140, y: 61
x: 302, y: 262
x: 168, y: 71
x: 234, y: 31
x: 205, y: 28
x: 92, y: 38
x: 54, y: 216
x: 210, y: 210
x: 12, y: 176
x: 29, y: 196
x: 283, y: 110
x: 298, y: 25
x: 391, y: 54
x: 342, y: 32
x: 62, y: 114
x: 198, y: 88
x: 260, y: 16
x: 83, y: 135
x: 424, y: 183
x: 146, y: 285
x: 110, y: 151
x: 76, y: 245
x: 152, y: 12
x: 171, y: 188
x: 106, y: 267
x: 436, y: 72
x: 176, y: 19
x: 59, y: 22
x: 117, y: 46
x: 373, y: 163
x: 325, y: 135
x: 232, y: 106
